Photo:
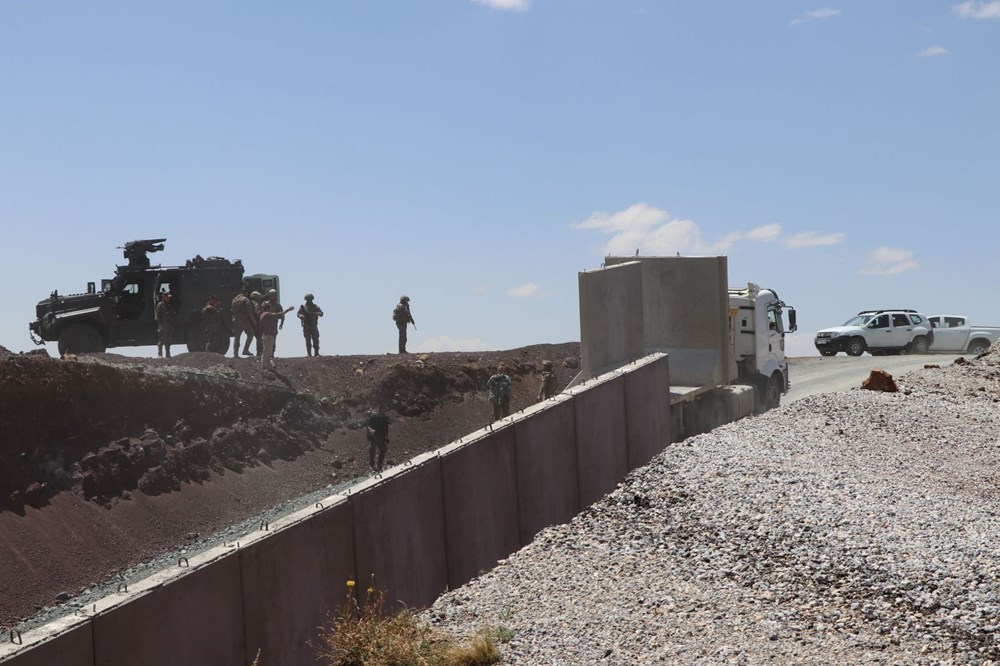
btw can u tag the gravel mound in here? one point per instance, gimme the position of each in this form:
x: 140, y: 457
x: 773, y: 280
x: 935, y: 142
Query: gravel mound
x: 861, y: 527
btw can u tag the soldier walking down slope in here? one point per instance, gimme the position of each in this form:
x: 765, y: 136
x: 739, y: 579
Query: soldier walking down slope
x: 164, y: 324
x: 548, y: 387
x: 216, y: 336
x: 268, y: 331
x: 500, y: 386
x: 244, y: 321
x: 310, y: 313
x: 401, y: 315
x: 271, y: 304
x: 378, y: 438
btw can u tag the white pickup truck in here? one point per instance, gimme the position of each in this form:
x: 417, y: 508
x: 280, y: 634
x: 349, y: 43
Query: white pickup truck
x: 952, y: 333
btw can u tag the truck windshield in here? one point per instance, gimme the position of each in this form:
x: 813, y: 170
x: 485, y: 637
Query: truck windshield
x: 859, y: 320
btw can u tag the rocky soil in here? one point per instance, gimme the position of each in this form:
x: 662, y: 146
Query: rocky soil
x: 109, y: 464
x: 853, y: 528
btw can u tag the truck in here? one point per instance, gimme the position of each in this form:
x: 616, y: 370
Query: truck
x: 879, y: 332
x: 725, y: 345
x: 953, y: 333
x: 121, y: 312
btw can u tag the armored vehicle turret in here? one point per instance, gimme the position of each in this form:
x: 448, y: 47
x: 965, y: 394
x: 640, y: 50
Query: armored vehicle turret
x: 121, y: 312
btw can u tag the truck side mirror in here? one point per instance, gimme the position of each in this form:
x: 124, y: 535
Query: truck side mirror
x: 792, y: 325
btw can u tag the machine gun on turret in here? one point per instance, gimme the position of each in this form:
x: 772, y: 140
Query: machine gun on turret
x: 136, y: 251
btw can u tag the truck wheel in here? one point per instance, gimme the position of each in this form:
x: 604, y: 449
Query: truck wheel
x: 828, y: 352
x: 772, y: 392
x: 856, y: 347
x: 919, y: 345
x: 977, y: 347
x: 80, y: 339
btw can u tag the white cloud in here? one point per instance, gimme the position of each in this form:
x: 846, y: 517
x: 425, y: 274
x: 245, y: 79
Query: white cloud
x: 512, y: 5
x: 446, y: 343
x: 931, y: 51
x: 978, y: 10
x: 524, y: 291
x: 811, y: 239
x: 890, y: 261
x: 816, y: 15
x: 652, y: 231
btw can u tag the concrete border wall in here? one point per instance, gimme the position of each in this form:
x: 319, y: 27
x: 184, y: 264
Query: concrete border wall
x: 434, y: 522
x: 611, y: 326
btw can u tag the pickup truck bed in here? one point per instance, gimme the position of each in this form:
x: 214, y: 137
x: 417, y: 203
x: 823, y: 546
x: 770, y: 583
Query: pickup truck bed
x: 952, y: 333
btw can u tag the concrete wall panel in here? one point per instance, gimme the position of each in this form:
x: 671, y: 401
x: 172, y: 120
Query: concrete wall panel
x: 293, y: 578
x: 67, y: 642
x: 547, y: 485
x: 601, y: 440
x: 647, y: 409
x: 479, y: 484
x: 399, y: 533
x: 196, y: 618
x: 611, y: 326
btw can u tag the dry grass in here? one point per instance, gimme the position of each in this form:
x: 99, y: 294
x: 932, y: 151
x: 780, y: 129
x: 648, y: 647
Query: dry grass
x: 361, y: 635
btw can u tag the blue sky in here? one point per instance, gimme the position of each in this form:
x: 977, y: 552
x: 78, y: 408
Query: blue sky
x: 476, y: 155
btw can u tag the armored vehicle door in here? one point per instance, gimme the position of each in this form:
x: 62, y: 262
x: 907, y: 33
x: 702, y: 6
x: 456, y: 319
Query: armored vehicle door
x: 132, y: 303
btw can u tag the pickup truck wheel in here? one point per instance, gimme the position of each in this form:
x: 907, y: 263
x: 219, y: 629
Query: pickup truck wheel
x: 977, y: 347
x: 80, y: 339
x: 828, y: 352
x: 856, y: 347
x: 919, y: 345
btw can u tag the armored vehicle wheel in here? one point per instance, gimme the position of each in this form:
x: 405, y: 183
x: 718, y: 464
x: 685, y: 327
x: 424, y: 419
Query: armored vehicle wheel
x: 222, y: 347
x: 828, y: 352
x: 80, y: 339
x: 195, y: 338
x: 856, y: 347
x: 919, y: 345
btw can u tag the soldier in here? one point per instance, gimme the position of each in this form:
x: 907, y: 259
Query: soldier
x: 216, y: 336
x: 309, y: 313
x: 271, y: 304
x: 401, y: 315
x: 256, y: 299
x: 268, y: 331
x: 378, y: 438
x: 548, y: 387
x: 164, y: 324
x: 244, y: 321
x: 500, y: 386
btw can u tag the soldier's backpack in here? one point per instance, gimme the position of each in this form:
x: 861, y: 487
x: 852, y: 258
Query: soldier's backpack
x: 398, y: 314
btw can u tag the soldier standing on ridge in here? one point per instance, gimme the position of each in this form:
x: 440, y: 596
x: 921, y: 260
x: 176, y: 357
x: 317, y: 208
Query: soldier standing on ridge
x: 268, y: 331
x: 271, y: 304
x: 256, y: 299
x: 310, y: 313
x: 500, y: 386
x: 548, y: 387
x: 164, y: 324
x: 401, y: 315
x: 216, y: 336
x: 244, y: 321
x: 378, y: 438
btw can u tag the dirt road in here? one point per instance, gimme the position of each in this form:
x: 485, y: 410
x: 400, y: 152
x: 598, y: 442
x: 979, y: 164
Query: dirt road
x: 818, y: 374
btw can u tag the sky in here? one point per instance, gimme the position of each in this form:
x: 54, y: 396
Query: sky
x: 477, y: 155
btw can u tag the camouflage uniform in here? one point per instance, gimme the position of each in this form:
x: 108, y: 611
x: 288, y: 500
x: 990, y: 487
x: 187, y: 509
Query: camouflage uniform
x: 548, y: 387
x: 271, y: 304
x: 256, y: 300
x: 216, y: 337
x: 164, y: 324
x: 500, y: 386
x: 401, y: 315
x: 244, y: 321
x: 378, y: 438
x: 309, y: 313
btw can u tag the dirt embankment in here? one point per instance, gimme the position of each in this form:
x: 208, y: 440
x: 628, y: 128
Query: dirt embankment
x: 170, y: 449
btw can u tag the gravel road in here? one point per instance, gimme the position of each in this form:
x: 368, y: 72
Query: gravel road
x: 851, y: 528
x: 817, y: 374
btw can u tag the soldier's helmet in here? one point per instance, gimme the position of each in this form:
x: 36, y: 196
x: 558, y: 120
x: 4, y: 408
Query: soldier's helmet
x: 255, y: 296
x: 404, y: 299
x: 272, y: 292
x: 309, y: 297
x: 547, y: 365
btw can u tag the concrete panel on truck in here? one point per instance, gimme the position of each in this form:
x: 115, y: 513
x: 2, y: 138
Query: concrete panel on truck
x: 479, y: 484
x: 601, y: 440
x: 685, y: 305
x: 399, y: 533
x: 192, y: 618
x: 547, y: 483
x: 68, y: 641
x: 611, y: 326
x: 293, y: 578
x: 647, y: 408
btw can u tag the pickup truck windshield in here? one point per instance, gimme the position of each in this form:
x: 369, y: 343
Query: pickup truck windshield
x: 859, y: 320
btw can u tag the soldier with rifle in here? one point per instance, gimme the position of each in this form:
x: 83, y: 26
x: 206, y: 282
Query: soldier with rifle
x: 401, y: 315
x: 244, y: 321
x: 309, y: 313
x: 164, y: 324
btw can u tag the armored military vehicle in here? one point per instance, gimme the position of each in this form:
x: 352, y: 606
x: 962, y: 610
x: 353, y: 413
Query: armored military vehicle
x: 121, y: 313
